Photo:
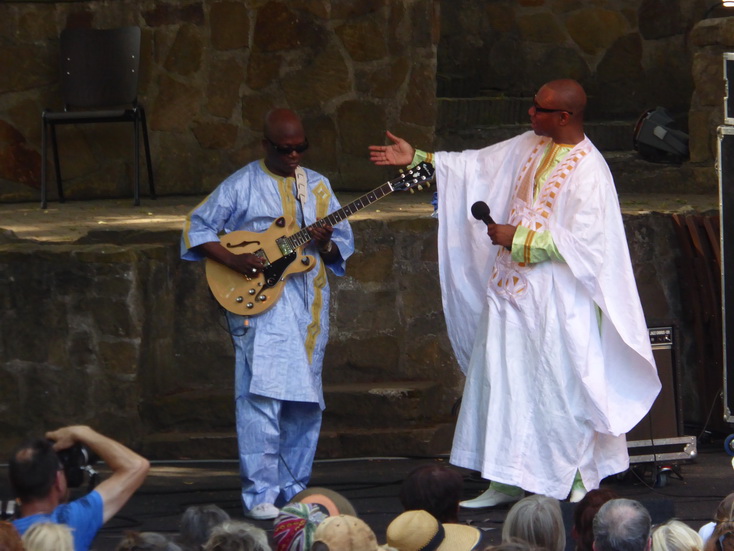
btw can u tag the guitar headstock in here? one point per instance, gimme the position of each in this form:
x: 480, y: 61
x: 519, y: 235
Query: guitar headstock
x: 410, y: 178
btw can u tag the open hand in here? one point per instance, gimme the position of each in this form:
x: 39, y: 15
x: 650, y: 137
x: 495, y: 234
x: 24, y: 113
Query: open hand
x: 399, y: 154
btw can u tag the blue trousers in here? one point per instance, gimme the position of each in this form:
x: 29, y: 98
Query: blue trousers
x: 276, y: 438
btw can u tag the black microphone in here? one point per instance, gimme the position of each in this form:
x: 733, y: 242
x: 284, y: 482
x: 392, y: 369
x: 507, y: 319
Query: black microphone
x: 480, y: 211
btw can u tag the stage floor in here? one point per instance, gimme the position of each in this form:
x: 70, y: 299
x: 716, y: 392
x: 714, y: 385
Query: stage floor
x: 372, y: 486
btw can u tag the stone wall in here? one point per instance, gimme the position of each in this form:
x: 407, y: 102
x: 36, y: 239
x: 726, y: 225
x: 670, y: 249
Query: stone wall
x: 116, y: 331
x: 210, y: 70
x: 630, y: 55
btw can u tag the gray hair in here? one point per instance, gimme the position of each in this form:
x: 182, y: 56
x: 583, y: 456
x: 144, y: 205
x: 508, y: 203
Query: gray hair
x: 197, y: 523
x: 146, y: 541
x: 237, y: 535
x: 622, y: 525
x: 537, y: 520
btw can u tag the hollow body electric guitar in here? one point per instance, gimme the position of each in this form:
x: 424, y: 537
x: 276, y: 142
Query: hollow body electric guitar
x: 281, y: 248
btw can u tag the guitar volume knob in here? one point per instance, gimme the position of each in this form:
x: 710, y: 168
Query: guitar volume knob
x: 251, y: 291
x: 239, y: 300
x: 262, y: 298
x: 250, y: 305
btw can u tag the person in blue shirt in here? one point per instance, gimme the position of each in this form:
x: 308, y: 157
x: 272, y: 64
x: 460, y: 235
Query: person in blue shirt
x: 40, y: 486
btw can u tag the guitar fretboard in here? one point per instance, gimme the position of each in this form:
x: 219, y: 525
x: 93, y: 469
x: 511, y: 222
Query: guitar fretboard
x: 302, y: 237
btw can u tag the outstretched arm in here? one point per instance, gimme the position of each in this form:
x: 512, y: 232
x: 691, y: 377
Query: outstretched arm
x: 400, y: 153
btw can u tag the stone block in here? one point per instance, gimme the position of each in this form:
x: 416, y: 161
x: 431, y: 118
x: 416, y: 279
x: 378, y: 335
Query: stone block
x: 501, y: 17
x: 277, y: 28
x: 173, y: 14
x: 322, y: 135
x: 27, y: 66
x: 375, y: 265
x: 540, y: 27
x: 215, y: 135
x: 184, y: 57
x: 370, y: 358
x: 119, y: 356
x: 324, y: 78
x: 230, y: 25
x: 384, y: 81
x: 262, y: 69
x: 660, y: 19
x: 175, y: 106
x: 364, y: 312
x: 708, y: 78
x: 18, y: 161
x: 254, y: 109
x: 620, y: 66
x: 192, y: 410
x: 349, y: 9
x: 364, y: 39
x: 595, y: 29
x: 362, y: 124
x: 419, y: 106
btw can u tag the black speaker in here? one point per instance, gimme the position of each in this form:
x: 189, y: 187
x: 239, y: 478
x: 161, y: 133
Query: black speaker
x: 665, y: 418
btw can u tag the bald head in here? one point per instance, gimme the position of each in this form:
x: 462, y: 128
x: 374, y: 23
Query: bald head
x: 567, y: 94
x: 282, y: 125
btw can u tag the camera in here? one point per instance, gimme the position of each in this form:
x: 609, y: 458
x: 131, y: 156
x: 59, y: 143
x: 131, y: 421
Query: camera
x: 76, y: 461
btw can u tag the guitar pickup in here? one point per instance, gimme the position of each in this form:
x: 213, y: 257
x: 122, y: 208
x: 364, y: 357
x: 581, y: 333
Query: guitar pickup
x: 285, y: 245
x: 262, y: 256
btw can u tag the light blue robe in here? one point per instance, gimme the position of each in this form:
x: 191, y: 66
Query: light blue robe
x: 279, y: 353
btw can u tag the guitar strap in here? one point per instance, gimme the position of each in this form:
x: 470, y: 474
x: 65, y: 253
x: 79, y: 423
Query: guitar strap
x: 301, y: 186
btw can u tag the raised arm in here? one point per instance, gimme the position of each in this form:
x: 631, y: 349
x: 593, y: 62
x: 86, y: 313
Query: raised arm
x: 400, y: 153
x: 128, y: 468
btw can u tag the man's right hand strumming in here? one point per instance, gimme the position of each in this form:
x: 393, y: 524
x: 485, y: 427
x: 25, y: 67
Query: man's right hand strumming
x: 399, y: 154
x: 247, y: 264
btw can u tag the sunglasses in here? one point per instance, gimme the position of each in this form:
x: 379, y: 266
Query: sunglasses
x: 288, y: 149
x: 539, y: 109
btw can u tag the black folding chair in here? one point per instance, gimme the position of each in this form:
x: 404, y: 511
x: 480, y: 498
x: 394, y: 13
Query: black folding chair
x: 99, y: 83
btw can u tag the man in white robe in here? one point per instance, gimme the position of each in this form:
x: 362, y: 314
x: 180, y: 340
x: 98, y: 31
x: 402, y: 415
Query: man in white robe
x: 545, y: 320
x: 278, y: 353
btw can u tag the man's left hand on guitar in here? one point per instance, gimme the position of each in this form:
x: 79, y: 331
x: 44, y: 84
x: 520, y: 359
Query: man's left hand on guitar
x: 321, y: 235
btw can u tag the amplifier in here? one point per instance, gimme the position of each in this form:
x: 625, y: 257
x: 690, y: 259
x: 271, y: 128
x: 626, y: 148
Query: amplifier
x: 665, y: 419
x: 729, y: 88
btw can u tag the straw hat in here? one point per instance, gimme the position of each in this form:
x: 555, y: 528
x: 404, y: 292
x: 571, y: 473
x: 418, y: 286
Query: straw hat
x: 420, y: 531
x: 344, y: 533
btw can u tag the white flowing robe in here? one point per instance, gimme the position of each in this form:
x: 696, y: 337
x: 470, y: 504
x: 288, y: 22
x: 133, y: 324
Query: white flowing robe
x: 549, y: 390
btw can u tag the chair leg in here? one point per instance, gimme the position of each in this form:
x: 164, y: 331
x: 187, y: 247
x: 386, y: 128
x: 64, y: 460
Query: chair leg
x: 146, y: 144
x: 57, y: 163
x: 136, y: 156
x: 44, y: 204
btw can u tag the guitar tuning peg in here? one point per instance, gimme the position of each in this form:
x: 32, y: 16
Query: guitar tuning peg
x: 412, y: 190
x: 428, y: 184
x: 420, y: 188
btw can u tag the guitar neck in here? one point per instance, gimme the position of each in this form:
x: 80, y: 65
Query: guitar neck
x: 302, y: 237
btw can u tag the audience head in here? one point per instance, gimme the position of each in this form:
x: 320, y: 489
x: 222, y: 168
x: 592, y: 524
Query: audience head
x: 418, y: 530
x: 197, y: 523
x: 675, y: 535
x: 725, y: 510
x: 722, y: 538
x: 434, y: 488
x: 48, y: 536
x: 236, y: 535
x: 622, y: 525
x: 9, y: 537
x: 295, y: 526
x: 32, y: 469
x: 146, y: 541
x: 513, y: 544
x: 537, y: 520
x: 583, y: 517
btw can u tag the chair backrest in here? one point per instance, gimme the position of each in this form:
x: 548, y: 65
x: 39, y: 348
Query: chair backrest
x: 99, y: 68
